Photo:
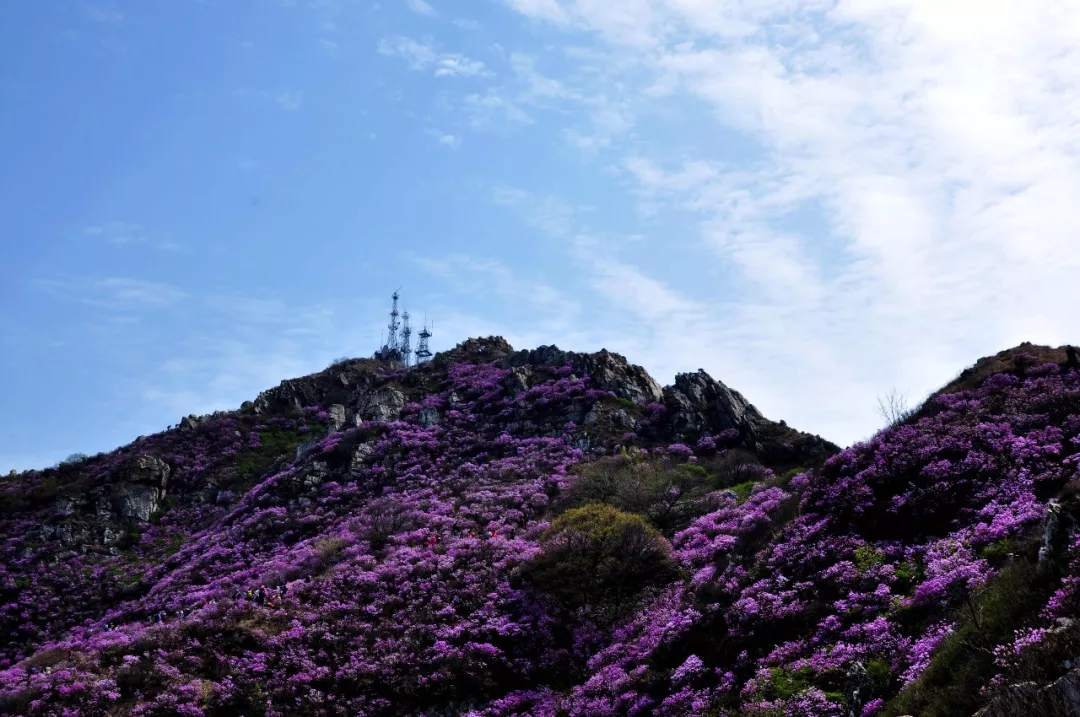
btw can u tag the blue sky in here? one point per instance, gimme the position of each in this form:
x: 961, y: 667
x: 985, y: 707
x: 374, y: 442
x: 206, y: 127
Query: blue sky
x: 816, y: 202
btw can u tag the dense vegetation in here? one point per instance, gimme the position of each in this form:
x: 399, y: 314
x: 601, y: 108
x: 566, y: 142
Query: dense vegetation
x: 461, y: 567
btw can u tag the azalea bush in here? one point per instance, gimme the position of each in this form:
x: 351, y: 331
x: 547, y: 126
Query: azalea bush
x: 468, y: 556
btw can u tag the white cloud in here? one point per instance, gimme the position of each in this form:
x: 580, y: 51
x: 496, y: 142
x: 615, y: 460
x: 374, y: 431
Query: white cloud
x: 105, y: 13
x: 550, y: 215
x: 422, y: 56
x: 118, y: 233
x: 910, y: 201
x: 123, y: 234
x: 467, y: 24
x: 288, y: 100
x: 445, y: 139
x: 422, y: 8
x: 491, y: 107
x: 547, y: 310
x: 549, y: 10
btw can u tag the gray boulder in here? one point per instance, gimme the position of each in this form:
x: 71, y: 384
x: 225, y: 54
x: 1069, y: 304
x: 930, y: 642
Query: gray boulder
x: 337, y: 417
x: 1026, y: 699
x: 383, y: 404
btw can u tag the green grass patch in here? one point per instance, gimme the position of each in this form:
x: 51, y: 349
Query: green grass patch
x: 742, y: 490
x: 275, y: 442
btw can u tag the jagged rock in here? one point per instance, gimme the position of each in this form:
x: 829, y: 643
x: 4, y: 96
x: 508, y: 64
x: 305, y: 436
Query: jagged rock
x: 429, y: 417
x: 188, y: 423
x: 622, y: 419
x: 336, y: 415
x: 1055, y: 534
x: 858, y: 689
x: 145, y: 469
x: 1027, y: 699
x: 607, y: 371
x: 136, y: 500
x: 134, y: 492
x: 699, y: 404
x: 384, y: 404
x: 478, y: 350
x: 453, y: 399
x: 305, y: 449
x: 518, y: 381
x: 360, y: 456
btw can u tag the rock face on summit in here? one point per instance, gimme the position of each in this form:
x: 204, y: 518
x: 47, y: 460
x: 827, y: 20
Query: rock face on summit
x: 700, y: 404
x: 607, y: 371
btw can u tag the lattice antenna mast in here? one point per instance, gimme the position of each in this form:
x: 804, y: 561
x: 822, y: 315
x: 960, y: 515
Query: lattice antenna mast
x: 422, y: 351
x: 406, y: 339
x: 392, y: 337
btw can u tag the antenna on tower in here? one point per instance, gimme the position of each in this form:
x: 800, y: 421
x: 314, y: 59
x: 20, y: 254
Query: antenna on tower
x: 391, y: 350
x: 406, y: 340
x: 422, y: 351
x: 392, y: 337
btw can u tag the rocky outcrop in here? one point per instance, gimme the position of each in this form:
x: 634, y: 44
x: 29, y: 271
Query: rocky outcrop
x: 699, y: 404
x: 858, y: 689
x: 1056, y: 529
x: 135, y: 492
x: 337, y: 418
x: 1026, y: 699
x: 479, y: 350
x: 607, y: 371
x: 383, y: 404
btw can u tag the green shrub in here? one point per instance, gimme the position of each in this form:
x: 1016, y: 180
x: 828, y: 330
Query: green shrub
x: 963, y: 662
x: 867, y: 556
x: 275, y: 443
x: 742, y: 490
x: 627, y: 404
x: 664, y: 495
x: 996, y: 553
x: 733, y: 467
x: 601, y: 557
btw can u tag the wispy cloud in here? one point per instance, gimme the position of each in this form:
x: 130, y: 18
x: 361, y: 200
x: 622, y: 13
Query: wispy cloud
x: 122, y: 234
x: 549, y: 214
x: 494, y: 108
x: 114, y: 293
x: 547, y: 308
x: 422, y: 8
x: 288, y: 100
x: 105, y: 13
x: 900, y: 214
x: 467, y: 24
x: 446, y: 139
x: 118, y: 233
x: 423, y: 57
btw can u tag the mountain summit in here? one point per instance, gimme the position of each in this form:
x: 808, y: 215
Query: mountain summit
x: 500, y: 532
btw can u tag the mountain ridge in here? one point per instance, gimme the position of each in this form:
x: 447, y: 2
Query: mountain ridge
x: 482, y: 463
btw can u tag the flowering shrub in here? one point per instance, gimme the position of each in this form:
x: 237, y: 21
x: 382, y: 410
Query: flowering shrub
x: 480, y: 565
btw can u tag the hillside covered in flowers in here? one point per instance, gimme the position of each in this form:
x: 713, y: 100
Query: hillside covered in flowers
x: 500, y: 533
